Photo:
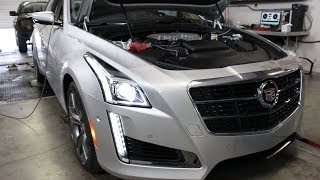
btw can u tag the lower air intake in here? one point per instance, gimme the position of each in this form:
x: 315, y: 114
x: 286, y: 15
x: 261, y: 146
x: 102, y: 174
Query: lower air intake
x: 150, y: 154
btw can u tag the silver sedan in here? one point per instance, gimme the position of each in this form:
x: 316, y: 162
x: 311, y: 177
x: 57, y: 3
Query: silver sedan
x: 163, y: 90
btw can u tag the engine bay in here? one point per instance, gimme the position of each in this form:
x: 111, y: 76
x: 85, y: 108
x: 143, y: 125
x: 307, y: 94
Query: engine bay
x: 188, y: 50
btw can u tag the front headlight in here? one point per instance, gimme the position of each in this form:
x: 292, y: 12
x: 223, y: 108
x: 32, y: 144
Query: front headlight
x: 117, y: 89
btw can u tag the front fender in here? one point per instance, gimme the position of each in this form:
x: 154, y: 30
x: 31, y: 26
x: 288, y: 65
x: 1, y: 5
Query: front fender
x: 86, y: 81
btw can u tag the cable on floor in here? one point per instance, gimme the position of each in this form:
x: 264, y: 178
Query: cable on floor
x: 309, y: 142
x: 42, y: 92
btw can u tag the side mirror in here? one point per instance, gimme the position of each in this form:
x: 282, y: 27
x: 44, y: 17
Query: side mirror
x: 45, y: 18
x: 13, y: 13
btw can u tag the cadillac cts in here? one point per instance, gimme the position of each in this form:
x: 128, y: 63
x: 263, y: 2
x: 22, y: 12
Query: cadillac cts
x: 161, y: 90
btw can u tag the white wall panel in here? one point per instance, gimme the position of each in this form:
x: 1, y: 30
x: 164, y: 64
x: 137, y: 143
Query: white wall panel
x: 244, y: 15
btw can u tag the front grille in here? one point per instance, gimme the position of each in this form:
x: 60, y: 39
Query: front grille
x: 150, y: 154
x: 235, y: 108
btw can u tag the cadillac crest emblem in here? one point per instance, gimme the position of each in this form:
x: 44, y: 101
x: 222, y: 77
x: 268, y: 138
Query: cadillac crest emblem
x: 268, y: 94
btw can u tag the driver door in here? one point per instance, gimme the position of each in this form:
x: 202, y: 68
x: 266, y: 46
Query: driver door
x: 42, y: 36
x: 55, y: 48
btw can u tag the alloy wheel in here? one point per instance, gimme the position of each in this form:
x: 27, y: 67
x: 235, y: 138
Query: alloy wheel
x: 77, y: 128
x: 36, y: 70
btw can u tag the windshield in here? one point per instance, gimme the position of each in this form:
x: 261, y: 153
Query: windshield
x: 33, y: 7
x: 151, y: 16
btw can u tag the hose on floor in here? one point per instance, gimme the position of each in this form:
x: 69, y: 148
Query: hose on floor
x: 42, y: 92
x: 309, y: 142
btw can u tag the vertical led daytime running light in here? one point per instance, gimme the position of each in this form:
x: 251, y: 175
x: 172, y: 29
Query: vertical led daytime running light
x: 102, y: 74
x: 118, y: 136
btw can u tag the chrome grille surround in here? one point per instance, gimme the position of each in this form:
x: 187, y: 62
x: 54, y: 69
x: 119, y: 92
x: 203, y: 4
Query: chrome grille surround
x: 232, y: 106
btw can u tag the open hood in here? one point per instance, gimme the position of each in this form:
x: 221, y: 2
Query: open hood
x: 207, y: 8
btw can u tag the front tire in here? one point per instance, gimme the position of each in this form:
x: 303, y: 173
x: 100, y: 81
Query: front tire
x: 80, y: 131
x: 22, y: 44
x: 40, y: 77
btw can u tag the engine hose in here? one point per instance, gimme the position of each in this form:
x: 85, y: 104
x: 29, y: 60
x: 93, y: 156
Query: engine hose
x: 309, y: 142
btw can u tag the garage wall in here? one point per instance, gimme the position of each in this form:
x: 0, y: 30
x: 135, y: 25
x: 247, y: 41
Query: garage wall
x: 244, y: 15
x: 5, y: 7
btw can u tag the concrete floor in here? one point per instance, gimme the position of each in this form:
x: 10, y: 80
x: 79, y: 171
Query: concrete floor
x: 40, y: 147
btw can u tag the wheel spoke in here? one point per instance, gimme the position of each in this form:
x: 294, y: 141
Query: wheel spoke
x: 77, y: 127
x: 79, y: 143
x: 75, y: 119
x: 74, y: 116
x: 81, y: 147
x: 73, y: 105
x: 36, y: 70
x: 84, y: 147
x: 72, y: 100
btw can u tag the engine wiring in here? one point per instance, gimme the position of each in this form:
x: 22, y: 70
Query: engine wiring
x: 226, y: 32
x: 309, y: 42
x: 42, y: 91
x: 310, y: 18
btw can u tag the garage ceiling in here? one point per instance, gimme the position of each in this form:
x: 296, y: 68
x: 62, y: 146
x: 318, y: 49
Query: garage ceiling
x: 6, y: 6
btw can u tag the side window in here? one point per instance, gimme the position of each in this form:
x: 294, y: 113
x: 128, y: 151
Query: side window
x: 56, y: 7
x: 58, y: 12
x: 53, y: 5
x: 49, y: 5
x: 75, y: 6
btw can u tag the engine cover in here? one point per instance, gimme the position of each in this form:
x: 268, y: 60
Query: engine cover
x: 175, y: 36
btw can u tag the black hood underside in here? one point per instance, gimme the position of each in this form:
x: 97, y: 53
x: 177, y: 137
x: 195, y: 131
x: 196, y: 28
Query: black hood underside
x: 207, y: 8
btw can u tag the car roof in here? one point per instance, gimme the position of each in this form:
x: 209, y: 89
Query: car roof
x: 24, y: 3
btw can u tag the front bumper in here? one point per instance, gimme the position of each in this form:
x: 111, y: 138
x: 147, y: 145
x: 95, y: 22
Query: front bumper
x: 158, y: 127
